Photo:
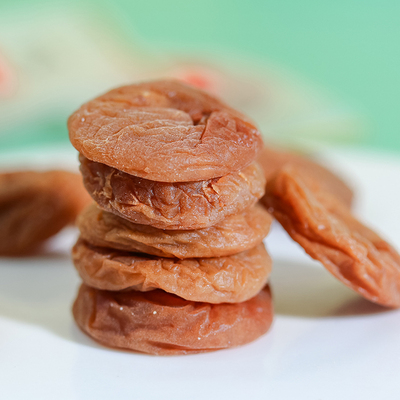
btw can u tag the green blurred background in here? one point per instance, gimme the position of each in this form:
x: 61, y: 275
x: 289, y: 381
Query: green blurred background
x: 349, y: 49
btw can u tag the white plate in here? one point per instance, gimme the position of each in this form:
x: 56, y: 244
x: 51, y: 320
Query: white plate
x: 326, y: 342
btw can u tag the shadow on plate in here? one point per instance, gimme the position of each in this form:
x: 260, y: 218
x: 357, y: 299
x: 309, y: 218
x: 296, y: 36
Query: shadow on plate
x: 80, y: 337
x: 308, y: 290
x: 39, y: 291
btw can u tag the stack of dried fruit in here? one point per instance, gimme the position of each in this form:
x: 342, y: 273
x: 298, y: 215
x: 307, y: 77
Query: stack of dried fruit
x: 173, y: 260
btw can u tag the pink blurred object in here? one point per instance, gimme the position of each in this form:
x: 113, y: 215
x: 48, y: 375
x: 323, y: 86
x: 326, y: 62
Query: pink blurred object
x: 236, y: 88
x: 8, y: 78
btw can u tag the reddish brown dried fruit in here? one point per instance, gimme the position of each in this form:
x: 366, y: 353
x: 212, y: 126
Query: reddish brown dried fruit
x: 272, y: 161
x: 160, y: 323
x: 228, y: 279
x: 328, y: 232
x: 35, y: 206
x: 164, y: 131
x: 185, y: 205
x: 234, y: 234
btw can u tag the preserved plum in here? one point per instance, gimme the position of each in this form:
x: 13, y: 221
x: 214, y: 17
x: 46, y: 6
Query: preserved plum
x: 232, y: 235
x: 35, y: 206
x: 329, y: 233
x: 160, y: 323
x: 180, y: 205
x: 164, y: 131
x: 227, y: 279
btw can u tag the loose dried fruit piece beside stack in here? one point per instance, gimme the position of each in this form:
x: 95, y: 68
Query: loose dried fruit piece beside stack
x: 171, y: 257
x: 313, y: 206
x: 36, y: 205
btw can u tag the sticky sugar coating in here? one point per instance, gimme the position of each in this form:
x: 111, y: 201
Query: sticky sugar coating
x: 164, y: 131
x: 272, y: 161
x: 227, y: 279
x: 180, y: 205
x: 160, y: 323
x: 232, y: 235
x: 329, y: 233
x: 35, y: 206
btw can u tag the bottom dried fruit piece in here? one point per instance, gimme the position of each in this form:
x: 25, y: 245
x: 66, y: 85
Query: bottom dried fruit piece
x: 160, y: 323
x: 329, y: 233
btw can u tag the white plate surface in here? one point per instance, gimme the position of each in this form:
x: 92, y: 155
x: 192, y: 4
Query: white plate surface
x: 326, y: 341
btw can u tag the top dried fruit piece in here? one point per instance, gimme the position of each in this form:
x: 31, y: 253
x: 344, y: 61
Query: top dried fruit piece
x: 164, y: 131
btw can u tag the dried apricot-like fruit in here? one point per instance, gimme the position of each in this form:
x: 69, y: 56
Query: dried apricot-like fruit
x: 180, y: 205
x: 272, y: 161
x: 35, y: 206
x: 328, y: 232
x: 232, y: 235
x: 227, y: 279
x: 164, y: 131
x: 160, y: 323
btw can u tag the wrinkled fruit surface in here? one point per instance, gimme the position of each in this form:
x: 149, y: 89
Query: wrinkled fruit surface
x: 36, y: 205
x: 328, y: 232
x: 160, y: 323
x: 185, y: 205
x: 232, y: 235
x: 272, y: 161
x: 164, y: 131
x: 227, y: 279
